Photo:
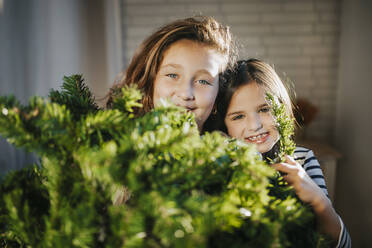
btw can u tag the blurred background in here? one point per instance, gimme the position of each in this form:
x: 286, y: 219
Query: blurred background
x: 323, y: 47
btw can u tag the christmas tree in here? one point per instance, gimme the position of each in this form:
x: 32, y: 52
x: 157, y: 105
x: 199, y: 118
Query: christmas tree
x: 180, y: 189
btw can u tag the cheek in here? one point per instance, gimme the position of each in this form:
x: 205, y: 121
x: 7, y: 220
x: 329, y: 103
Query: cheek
x: 268, y: 122
x: 160, y: 91
x: 275, y: 134
x: 274, y: 131
x: 207, y: 97
x: 233, y: 129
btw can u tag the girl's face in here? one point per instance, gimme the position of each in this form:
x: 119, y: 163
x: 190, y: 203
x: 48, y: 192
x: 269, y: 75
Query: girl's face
x: 188, y: 76
x: 249, y: 117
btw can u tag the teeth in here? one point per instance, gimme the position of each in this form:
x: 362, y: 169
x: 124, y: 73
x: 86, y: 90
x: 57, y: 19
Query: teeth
x: 255, y: 137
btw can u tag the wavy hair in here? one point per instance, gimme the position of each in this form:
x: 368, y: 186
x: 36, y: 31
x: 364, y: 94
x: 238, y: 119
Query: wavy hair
x: 147, y: 59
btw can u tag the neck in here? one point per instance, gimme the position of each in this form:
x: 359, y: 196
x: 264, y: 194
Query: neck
x: 272, y: 154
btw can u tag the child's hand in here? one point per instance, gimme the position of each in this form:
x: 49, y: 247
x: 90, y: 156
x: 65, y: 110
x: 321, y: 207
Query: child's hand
x: 306, y: 189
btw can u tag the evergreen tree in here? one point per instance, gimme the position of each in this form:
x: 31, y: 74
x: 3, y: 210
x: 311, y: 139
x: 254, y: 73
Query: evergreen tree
x: 186, y: 190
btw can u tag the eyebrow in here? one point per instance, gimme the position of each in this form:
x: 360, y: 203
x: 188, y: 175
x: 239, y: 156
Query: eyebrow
x: 178, y: 66
x: 171, y: 65
x: 235, y: 113
x: 263, y: 105
x: 204, y: 71
x: 240, y: 112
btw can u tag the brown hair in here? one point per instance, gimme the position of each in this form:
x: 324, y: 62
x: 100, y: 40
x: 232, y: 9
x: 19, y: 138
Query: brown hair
x: 246, y: 72
x: 147, y: 59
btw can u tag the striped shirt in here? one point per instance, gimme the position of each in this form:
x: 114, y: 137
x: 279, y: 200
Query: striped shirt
x: 309, y: 162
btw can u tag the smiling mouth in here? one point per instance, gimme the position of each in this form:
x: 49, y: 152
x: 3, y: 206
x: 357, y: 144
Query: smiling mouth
x: 187, y: 107
x: 257, y: 139
x: 190, y: 109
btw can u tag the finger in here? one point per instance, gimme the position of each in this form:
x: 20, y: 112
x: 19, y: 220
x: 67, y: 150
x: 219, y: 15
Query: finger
x: 290, y: 160
x: 296, y: 176
x: 289, y: 179
x: 284, y: 167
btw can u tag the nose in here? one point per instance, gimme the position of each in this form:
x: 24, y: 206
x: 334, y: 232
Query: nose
x: 185, y: 90
x: 254, y: 122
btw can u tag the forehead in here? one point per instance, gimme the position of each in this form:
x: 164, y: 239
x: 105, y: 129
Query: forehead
x: 189, y: 52
x: 248, y: 95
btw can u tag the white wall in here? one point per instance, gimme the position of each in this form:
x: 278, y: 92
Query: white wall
x: 354, y: 121
x: 299, y: 37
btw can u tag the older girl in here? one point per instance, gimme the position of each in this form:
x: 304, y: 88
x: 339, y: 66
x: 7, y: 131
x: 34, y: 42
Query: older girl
x: 182, y: 62
x: 247, y: 116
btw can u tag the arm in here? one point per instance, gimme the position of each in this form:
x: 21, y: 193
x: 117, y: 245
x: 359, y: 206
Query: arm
x: 309, y: 192
x: 312, y: 168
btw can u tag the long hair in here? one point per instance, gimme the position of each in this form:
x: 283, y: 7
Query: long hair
x: 147, y: 59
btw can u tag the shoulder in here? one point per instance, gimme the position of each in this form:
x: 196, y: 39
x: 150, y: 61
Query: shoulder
x: 301, y: 151
x: 304, y: 156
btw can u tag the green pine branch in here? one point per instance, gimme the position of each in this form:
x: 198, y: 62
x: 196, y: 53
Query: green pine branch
x: 285, y: 127
x: 75, y: 95
x: 186, y: 190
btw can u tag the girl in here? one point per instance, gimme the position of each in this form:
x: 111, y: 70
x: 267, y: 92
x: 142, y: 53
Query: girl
x: 247, y: 116
x: 182, y: 62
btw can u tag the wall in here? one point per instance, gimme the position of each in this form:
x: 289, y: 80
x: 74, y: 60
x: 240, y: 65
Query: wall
x: 353, y: 135
x: 38, y: 45
x: 299, y: 37
x: 43, y: 40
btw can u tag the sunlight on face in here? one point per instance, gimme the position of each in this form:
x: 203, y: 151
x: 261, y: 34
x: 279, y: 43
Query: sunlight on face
x: 249, y: 117
x: 188, y: 76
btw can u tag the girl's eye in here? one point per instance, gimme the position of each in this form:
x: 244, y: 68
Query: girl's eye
x: 172, y: 75
x: 204, y: 82
x: 264, y: 110
x: 237, y: 117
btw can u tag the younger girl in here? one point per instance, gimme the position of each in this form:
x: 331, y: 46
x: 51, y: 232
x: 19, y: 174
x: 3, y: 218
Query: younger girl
x: 182, y: 62
x: 247, y: 116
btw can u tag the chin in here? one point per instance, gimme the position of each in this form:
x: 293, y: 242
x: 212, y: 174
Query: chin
x: 199, y: 124
x: 262, y: 148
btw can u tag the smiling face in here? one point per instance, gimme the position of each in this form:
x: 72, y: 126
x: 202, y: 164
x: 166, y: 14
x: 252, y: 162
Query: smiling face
x: 249, y: 117
x: 188, y: 77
